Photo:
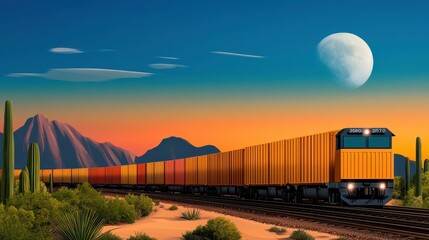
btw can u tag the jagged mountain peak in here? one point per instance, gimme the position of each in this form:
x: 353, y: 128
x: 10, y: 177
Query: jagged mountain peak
x: 62, y: 146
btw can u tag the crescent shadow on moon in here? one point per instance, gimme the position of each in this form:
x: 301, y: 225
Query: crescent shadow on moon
x: 348, y: 57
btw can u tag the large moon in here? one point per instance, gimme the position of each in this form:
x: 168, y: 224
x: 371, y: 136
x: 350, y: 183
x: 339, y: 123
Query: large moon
x: 348, y: 57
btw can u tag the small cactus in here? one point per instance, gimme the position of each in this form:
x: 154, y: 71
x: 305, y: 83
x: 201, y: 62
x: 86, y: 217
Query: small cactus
x: 51, y: 184
x: 407, y: 175
x: 426, y: 169
x: 33, y: 163
x: 24, y: 181
x: 418, y: 167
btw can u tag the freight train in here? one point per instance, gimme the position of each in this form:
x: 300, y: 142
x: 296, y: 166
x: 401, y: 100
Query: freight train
x: 353, y: 166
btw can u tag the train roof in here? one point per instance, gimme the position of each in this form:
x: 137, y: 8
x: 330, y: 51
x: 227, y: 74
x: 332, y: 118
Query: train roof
x: 365, y: 131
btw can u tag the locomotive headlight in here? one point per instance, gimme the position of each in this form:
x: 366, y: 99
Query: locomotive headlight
x: 350, y: 186
x: 366, y: 132
x: 382, y: 186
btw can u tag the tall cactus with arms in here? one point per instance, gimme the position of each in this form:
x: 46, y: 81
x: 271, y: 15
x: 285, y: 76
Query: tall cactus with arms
x: 407, y: 175
x: 7, y: 178
x: 33, y: 163
x: 24, y: 181
x: 418, y: 167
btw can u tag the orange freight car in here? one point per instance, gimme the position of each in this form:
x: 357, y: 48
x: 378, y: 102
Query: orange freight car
x: 159, y: 173
x: 169, y: 172
x: 141, y: 173
x: 67, y: 174
x: 179, y: 171
x: 191, y: 171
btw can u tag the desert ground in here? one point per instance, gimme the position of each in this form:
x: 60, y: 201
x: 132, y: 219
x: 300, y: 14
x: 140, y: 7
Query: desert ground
x: 164, y: 224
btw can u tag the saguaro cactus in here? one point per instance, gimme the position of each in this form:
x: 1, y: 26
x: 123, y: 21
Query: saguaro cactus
x: 418, y: 167
x: 24, y: 181
x: 33, y: 162
x: 7, y: 179
x: 51, y: 184
x: 407, y: 175
x: 426, y: 169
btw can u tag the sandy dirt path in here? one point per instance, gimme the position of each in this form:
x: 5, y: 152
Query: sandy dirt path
x: 164, y: 224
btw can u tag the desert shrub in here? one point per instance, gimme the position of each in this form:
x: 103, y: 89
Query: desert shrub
x: 188, y: 235
x: 399, y: 187
x: 277, y: 229
x: 82, y: 225
x: 410, y: 200
x: 156, y: 201
x: 142, y: 204
x: 141, y: 236
x: 216, y: 229
x: 43, y: 187
x: 69, y: 197
x: 192, y: 214
x: 109, y: 236
x: 173, y: 207
x: 45, y: 209
x: 15, y: 223
x: 118, y: 211
x: 301, y: 235
x: 89, y: 198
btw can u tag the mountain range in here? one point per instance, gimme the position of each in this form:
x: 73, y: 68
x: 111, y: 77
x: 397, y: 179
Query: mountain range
x: 62, y: 146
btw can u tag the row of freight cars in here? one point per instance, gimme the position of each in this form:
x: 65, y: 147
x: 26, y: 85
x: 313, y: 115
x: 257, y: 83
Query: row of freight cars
x: 276, y: 164
x: 338, y: 166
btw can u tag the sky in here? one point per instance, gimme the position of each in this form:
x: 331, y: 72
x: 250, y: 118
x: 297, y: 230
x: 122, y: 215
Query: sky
x: 227, y: 73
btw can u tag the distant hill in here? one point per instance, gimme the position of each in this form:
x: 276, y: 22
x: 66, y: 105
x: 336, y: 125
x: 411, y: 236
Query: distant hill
x: 399, y: 166
x: 62, y: 146
x: 175, y: 148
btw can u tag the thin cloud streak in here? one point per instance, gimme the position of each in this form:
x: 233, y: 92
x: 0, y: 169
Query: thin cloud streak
x: 237, y: 54
x: 166, y: 66
x: 84, y: 74
x: 169, y: 58
x: 65, y: 50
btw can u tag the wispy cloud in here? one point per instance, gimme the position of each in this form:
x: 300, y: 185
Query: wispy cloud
x: 166, y: 66
x: 65, y: 50
x: 237, y: 54
x: 107, y: 50
x: 84, y: 74
x: 24, y: 75
x: 169, y: 58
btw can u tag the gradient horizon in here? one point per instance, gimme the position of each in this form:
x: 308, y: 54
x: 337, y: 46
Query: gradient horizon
x: 227, y: 101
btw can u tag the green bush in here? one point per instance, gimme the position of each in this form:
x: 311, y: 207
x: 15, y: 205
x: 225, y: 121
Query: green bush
x: 44, y: 207
x: 399, y: 187
x: 142, y: 204
x: 188, y: 235
x: 156, y: 201
x: 192, y: 214
x: 16, y: 223
x: 109, y: 236
x: 82, y: 225
x: 216, y: 229
x: 141, y: 236
x: 173, y: 207
x: 301, y: 235
x: 277, y: 229
x: 119, y: 211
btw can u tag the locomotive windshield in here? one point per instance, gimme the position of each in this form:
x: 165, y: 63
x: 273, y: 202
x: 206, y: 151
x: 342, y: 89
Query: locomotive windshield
x: 359, y: 138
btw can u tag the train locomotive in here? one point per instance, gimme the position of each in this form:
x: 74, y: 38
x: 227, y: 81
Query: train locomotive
x: 352, y: 166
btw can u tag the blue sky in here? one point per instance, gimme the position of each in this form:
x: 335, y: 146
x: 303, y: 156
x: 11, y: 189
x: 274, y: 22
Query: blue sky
x: 285, y: 32
x: 132, y: 35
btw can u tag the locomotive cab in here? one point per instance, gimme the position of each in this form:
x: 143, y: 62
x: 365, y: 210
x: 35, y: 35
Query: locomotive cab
x: 364, y: 166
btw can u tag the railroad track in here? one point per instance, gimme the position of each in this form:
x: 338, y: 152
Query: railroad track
x: 407, y: 222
